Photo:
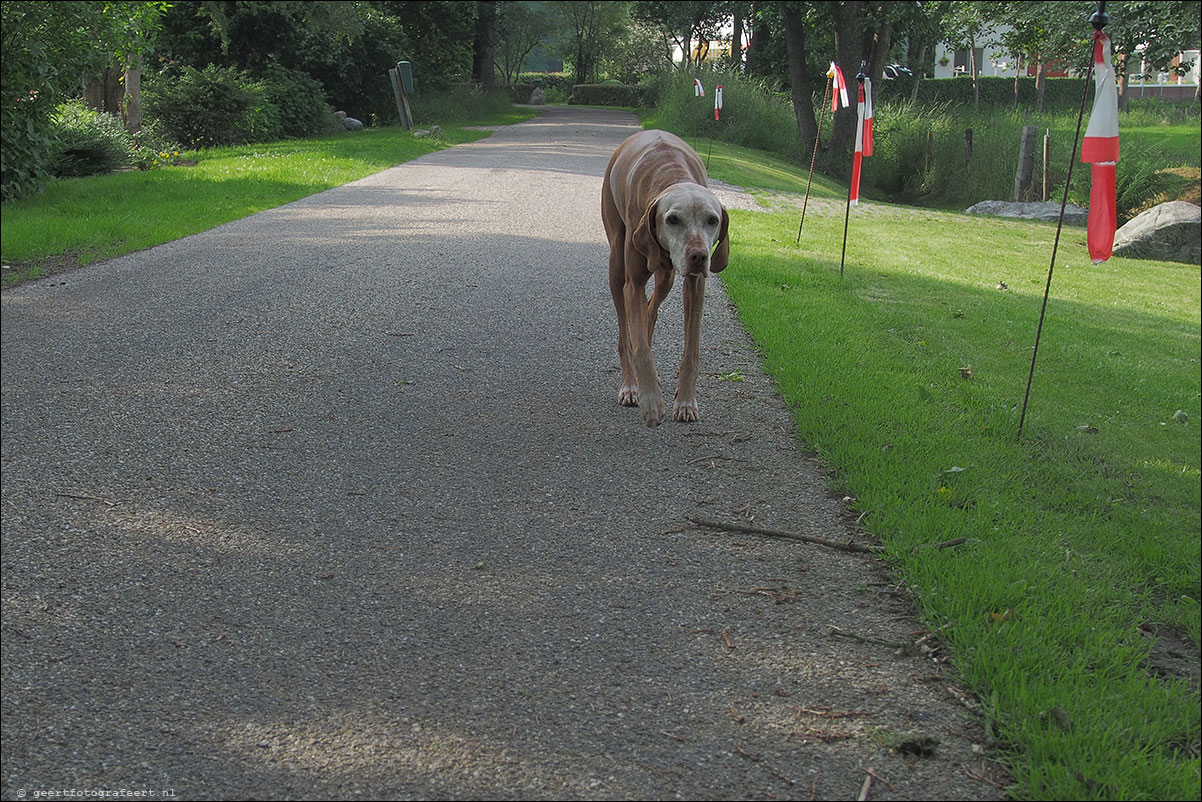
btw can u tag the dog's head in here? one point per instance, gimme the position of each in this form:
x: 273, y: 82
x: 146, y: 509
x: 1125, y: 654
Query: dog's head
x: 686, y: 226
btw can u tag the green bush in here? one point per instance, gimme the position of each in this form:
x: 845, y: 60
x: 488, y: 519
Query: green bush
x: 88, y: 142
x: 300, y: 102
x: 608, y: 95
x: 211, y: 107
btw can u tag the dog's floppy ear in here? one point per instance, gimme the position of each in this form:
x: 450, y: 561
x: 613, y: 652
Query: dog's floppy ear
x: 721, y: 254
x: 645, y: 239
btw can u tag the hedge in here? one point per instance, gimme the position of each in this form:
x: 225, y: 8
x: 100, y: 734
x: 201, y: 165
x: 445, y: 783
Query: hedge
x: 608, y: 95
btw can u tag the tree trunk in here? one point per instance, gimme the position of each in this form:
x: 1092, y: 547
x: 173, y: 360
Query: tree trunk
x: 1041, y: 83
x: 736, y: 39
x: 104, y: 92
x: 755, y: 47
x: 972, y: 64
x: 918, y: 68
x: 849, y: 29
x: 133, y: 97
x: 483, y: 53
x: 1124, y: 81
x: 877, y: 46
x: 802, y: 91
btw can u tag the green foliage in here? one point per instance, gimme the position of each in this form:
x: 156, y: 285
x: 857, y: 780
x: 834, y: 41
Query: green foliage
x: 300, y: 101
x: 211, y: 107
x: 46, y: 47
x: 1059, y: 93
x: 88, y: 142
x: 608, y: 95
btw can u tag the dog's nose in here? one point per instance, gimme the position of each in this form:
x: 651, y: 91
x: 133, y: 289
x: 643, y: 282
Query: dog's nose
x: 697, y: 261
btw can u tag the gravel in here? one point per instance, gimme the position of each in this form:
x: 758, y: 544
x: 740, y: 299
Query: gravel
x: 337, y: 501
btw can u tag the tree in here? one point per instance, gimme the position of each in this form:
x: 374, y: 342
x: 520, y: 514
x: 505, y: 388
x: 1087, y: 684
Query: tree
x: 1158, y: 31
x: 47, y: 47
x: 520, y: 27
x: 484, y: 44
x: 684, y: 23
x: 588, y: 26
x: 965, y: 26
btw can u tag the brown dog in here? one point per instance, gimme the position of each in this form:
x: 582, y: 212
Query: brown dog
x: 661, y: 220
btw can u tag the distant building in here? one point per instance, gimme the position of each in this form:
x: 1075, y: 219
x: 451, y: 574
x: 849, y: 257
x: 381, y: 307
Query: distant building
x: 992, y: 60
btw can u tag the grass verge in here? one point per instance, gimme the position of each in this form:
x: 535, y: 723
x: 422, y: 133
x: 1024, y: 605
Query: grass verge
x: 1079, y: 578
x: 78, y: 221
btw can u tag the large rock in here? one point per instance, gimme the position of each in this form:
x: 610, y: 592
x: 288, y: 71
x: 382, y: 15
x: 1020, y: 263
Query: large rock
x: 1170, y: 231
x: 1047, y: 211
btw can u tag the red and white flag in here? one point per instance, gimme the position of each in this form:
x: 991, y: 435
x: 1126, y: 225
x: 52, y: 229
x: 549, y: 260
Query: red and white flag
x: 863, y: 137
x: 1101, y: 149
x: 838, y: 87
x: 717, y: 100
x: 698, y: 89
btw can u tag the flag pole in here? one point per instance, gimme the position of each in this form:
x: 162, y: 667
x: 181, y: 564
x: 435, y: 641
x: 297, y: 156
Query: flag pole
x: 717, y: 107
x: 847, y: 214
x: 1098, y: 20
x: 814, y: 158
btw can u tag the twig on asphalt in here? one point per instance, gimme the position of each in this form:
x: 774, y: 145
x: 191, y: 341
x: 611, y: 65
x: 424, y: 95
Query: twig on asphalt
x: 757, y: 530
x: 87, y: 498
x: 828, y: 713
x: 862, y: 639
x: 876, y: 776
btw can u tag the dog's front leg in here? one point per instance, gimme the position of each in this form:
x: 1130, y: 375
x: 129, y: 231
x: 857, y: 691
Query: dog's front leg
x: 685, y: 408
x: 651, y: 397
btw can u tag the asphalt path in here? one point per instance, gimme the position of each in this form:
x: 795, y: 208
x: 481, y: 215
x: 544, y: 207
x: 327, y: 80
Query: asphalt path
x: 337, y: 501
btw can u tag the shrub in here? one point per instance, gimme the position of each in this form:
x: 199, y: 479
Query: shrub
x: 300, y: 101
x: 608, y: 95
x: 210, y: 107
x: 88, y: 142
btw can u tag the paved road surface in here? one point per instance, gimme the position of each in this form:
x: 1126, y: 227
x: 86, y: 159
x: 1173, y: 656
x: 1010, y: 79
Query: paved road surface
x: 338, y: 501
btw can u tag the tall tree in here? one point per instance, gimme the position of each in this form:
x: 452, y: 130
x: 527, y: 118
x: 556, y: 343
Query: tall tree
x: 587, y: 26
x: 484, y: 43
x: 520, y: 28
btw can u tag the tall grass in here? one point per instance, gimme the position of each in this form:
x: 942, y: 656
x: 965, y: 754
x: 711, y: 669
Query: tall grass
x: 755, y: 113
x: 923, y: 156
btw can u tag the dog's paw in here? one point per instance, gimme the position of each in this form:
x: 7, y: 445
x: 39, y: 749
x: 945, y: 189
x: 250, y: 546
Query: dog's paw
x: 653, y: 412
x: 628, y: 396
x: 685, y: 412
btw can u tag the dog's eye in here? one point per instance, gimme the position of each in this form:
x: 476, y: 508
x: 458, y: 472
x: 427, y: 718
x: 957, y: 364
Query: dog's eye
x: 672, y: 220
x: 713, y: 221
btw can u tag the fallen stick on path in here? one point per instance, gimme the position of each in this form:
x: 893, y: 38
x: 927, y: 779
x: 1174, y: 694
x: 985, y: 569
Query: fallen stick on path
x: 756, y: 530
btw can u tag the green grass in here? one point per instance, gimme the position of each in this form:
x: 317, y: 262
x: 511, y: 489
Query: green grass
x: 907, y: 376
x: 82, y: 220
